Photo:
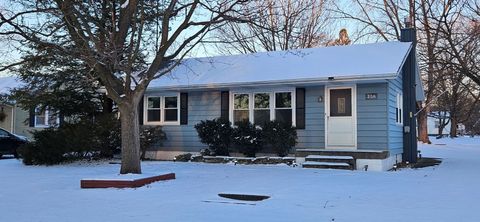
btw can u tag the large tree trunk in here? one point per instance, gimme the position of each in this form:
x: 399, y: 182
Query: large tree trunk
x: 130, y: 138
x: 453, y: 127
x: 422, y: 126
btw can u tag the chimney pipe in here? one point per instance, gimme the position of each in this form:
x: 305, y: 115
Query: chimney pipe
x: 408, y: 34
x: 408, y: 22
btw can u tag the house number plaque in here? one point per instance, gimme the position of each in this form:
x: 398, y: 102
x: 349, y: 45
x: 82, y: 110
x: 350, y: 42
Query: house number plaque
x: 371, y: 96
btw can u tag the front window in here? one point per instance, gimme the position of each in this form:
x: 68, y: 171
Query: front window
x: 161, y: 110
x: 283, y: 107
x: 153, y: 109
x: 46, y: 118
x: 240, y: 108
x: 171, y: 109
x: 261, y: 109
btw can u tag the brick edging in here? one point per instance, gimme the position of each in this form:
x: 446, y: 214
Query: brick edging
x: 125, y: 183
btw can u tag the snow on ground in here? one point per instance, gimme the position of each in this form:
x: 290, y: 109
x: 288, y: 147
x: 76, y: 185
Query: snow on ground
x: 449, y: 192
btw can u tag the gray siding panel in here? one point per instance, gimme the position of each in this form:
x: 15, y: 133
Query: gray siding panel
x: 372, y: 117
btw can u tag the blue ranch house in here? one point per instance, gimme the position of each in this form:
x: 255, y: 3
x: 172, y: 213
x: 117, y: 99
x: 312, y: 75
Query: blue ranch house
x: 355, y: 101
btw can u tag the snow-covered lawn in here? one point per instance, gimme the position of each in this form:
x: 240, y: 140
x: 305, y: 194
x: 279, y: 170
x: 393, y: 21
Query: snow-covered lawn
x: 449, y: 192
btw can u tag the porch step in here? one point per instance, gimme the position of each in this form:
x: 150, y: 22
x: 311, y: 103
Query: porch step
x: 326, y: 165
x: 329, y: 158
x: 329, y: 162
x: 356, y: 154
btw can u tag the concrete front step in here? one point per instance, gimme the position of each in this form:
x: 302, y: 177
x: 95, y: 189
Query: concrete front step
x: 333, y: 159
x: 327, y: 165
x: 356, y: 154
x: 329, y: 162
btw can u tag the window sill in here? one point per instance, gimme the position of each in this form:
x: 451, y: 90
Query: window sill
x: 42, y: 126
x: 162, y: 123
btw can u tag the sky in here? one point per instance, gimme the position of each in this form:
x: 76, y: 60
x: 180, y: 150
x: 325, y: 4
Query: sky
x: 9, y: 53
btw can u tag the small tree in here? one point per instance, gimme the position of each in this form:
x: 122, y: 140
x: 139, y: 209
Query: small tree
x: 248, y: 138
x: 216, y: 134
x: 282, y: 137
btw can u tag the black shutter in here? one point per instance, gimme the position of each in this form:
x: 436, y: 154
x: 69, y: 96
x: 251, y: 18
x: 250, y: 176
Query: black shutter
x: 31, y: 117
x: 61, y: 119
x: 140, y: 111
x: 300, y: 108
x: 225, y: 105
x: 183, y: 108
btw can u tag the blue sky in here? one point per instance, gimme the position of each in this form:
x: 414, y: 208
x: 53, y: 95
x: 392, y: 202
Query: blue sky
x: 8, y: 52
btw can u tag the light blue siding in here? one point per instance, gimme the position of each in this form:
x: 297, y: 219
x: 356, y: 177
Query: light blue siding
x: 376, y: 129
x: 201, y: 106
x: 313, y: 136
x: 372, y: 117
x: 395, y: 131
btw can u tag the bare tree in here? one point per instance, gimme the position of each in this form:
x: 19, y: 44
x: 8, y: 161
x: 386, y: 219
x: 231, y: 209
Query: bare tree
x: 383, y: 20
x: 276, y: 25
x: 126, y: 44
x: 461, y: 32
x: 460, y: 98
x: 429, y: 39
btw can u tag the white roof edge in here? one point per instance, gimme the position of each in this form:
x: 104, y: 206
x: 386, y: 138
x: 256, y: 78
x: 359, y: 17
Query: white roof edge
x: 419, y: 93
x: 399, y: 71
x: 279, y: 82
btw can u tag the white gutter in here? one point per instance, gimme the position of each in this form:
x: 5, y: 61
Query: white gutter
x: 305, y: 81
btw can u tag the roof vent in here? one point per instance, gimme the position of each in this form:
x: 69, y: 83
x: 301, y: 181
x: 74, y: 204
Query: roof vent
x: 331, y: 78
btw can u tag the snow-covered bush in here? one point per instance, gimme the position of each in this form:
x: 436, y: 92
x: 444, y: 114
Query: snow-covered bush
x: 183, y: 157
x: 282, y: 137
x: 85, y: 139
x: 48, y: 148
x: 216, y: 134
x: 247, y: 138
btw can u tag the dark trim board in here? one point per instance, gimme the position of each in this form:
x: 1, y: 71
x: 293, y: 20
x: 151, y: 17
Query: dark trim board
x: 357, y: 154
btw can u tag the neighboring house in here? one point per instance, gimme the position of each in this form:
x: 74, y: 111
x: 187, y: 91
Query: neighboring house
x: 17, y: 120
x: 434, y: 121
x: 345, y: 100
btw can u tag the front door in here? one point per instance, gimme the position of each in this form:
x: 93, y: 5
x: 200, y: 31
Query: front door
x: 341, y: 130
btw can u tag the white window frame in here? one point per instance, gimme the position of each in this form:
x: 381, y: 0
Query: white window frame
x: 249, y: 109
x: 46, y: 118
x: 399, y: 108
x: 162, y: 109
x: 293, y: 105
x: 272, y: 105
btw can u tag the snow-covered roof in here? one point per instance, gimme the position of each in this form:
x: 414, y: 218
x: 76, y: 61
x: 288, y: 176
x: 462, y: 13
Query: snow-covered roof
x: 8, y: 83
x: 353, y: 62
